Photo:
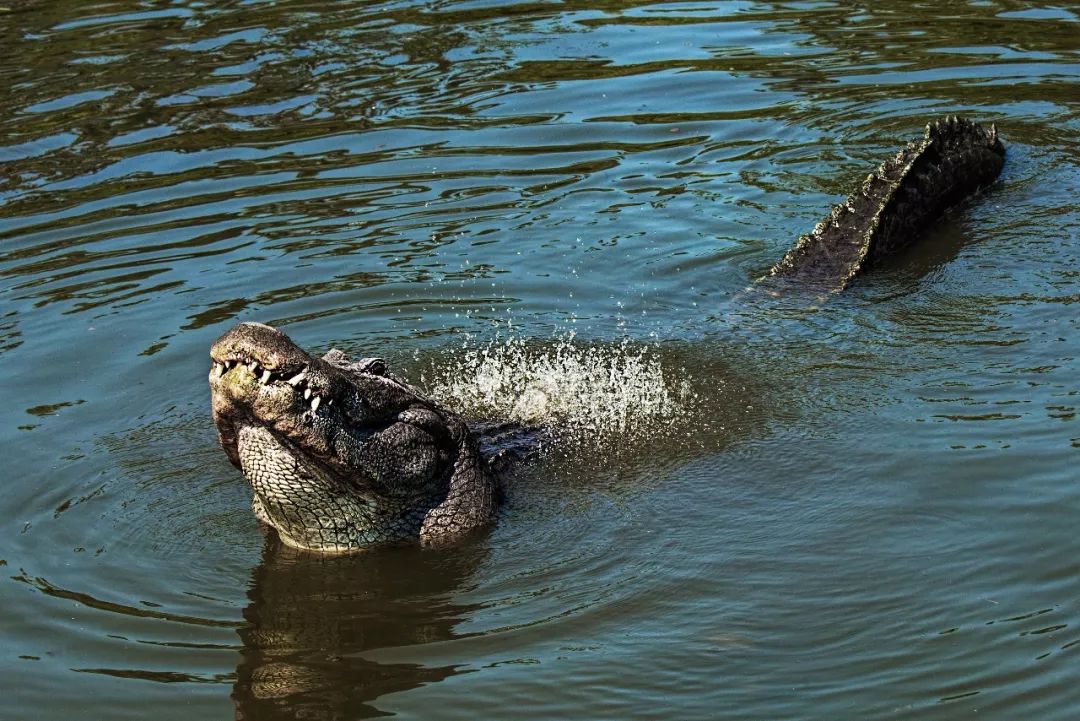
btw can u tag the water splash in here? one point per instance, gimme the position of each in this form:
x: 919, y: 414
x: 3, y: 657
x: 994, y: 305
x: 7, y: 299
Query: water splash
x: 600, y: 394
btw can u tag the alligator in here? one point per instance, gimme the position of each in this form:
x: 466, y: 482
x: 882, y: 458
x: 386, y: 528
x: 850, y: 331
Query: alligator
x: 342, y: 454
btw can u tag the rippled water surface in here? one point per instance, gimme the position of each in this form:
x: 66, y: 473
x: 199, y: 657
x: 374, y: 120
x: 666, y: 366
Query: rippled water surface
x: 860, y: 506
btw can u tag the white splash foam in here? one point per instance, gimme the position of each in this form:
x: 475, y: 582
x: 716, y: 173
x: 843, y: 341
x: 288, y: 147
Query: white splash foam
x: 601, y: 393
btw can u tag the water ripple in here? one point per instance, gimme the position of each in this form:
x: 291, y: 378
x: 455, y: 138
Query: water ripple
x: 859, y: 504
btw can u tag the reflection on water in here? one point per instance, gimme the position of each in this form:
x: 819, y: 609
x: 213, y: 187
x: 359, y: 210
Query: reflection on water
x: 311, y: 619
x: 860, y: 505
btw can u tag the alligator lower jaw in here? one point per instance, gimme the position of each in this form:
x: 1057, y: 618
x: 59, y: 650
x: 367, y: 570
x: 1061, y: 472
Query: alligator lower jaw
x: 244, y: 393
x: 303, y: 500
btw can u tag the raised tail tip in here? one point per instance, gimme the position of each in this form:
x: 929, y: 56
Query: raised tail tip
x: 956, y: 128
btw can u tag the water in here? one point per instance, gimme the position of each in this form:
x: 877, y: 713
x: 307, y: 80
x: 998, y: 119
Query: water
x: 858, y: 506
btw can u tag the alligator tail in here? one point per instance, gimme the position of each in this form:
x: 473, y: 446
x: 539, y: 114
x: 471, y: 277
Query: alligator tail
x: 954, y: 158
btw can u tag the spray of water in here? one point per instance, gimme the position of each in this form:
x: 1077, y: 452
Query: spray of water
x: 599, y: 394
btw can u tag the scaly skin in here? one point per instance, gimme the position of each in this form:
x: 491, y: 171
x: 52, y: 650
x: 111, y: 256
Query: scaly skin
x: 341, y: 454
x: 954, y: 158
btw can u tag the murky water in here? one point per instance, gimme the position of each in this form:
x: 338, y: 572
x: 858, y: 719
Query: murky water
x: 853, y: 507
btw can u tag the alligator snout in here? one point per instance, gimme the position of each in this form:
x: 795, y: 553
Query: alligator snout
x: 267, y: 347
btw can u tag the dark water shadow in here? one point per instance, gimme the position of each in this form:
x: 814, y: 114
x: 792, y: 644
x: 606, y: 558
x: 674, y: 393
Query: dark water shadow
x: 311, y: 619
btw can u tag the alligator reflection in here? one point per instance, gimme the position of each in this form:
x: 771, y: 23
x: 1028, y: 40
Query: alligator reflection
x: 311, y: 618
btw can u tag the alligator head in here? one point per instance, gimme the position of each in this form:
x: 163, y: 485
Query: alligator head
x: 341, y: 454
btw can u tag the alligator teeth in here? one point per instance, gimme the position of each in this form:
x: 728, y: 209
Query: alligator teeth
x: 253, y: 367
x: 307, y: 393
x: 296, y: 379
x: 217, y: 371
x: 315, y: 403
x: 265, y: 377
x: 329, y: 402
x: 229, y: 364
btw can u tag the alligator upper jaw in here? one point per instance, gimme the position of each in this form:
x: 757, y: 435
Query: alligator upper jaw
x: 258, y: 376
x: 243, y: 380
x: 259, y: 347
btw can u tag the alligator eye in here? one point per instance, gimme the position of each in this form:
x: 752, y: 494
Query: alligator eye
x: 374, y: 366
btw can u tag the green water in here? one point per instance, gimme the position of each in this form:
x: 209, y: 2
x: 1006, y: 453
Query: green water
x: 851, y: 507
